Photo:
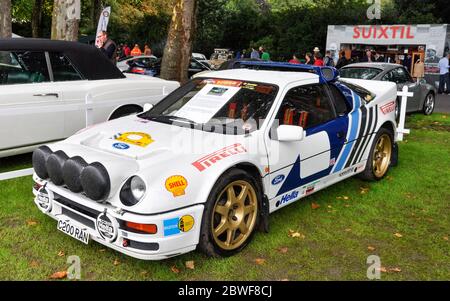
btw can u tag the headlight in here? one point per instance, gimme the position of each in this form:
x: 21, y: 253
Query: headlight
x: 132, y: 191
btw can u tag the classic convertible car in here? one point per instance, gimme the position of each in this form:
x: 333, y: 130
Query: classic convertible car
x: 205, y: 166
x: 47, y: 86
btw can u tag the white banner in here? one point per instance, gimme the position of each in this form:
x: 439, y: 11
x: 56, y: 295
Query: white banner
x: 104, y: 19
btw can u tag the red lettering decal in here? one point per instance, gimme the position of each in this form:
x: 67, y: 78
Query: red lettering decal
x: 383, y: 32
x: 215, y: 159
x: 366, y: 32
x: 356, y: 32
x: 409, y: 35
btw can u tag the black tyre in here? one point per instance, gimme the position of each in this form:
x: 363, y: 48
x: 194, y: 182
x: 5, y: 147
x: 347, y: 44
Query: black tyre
x: 397, y: 110
x: 428, y: 104
x: 379, y: 161
x: 125, y: 111
x: 231, y: 214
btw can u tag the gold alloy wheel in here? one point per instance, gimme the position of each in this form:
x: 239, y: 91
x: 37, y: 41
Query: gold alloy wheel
x: 382, y: 155
x: 234, y: 215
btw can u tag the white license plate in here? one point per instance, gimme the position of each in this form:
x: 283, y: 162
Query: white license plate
x: 70, y: 229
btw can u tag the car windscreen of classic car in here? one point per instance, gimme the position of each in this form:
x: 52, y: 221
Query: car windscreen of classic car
x: 216, y: 104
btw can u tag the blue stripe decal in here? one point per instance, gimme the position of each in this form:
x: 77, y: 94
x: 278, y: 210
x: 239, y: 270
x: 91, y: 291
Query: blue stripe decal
x: 353, y: 132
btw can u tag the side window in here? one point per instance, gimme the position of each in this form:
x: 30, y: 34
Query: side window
x: 400, y: 76
x: 388, y: 77
x: 23, y: 67
x: 340, y: 102
x: 306, y: 106
x: 62, y: 69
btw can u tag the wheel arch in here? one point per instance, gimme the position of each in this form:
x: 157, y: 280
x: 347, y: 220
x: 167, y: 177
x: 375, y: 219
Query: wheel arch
x: 125, y: 107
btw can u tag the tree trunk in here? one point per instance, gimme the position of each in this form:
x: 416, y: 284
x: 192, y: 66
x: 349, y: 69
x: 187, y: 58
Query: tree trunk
x: 65, y: 20
x: 36, y: 19
x: 178, y: 50
x: 97, y: 10
x: 5, y: 19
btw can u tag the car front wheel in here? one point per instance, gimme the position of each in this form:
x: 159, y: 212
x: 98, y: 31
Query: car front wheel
x: 231, y: 214
x: 428, y: 105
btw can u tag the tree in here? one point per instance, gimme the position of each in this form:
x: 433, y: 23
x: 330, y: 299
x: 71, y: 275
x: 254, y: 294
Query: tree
x: 178, y: 50
x: 66, y: 15
x: 36, y: 19
x: 5, y: 19
x: 96, y: 11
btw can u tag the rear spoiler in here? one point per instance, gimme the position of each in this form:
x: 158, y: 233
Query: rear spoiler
x: 326, y: 74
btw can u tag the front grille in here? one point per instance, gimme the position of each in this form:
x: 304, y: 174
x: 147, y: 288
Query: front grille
x: 77, y: 207
x: 79, y: 218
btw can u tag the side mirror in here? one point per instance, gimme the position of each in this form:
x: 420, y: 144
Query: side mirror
x: 290, y: 133
x: 148, y: 107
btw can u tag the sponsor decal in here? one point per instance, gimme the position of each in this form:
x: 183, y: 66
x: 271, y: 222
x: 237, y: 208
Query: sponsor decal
x: 134, y: 138
x: 278, y: 179
x: 208, y: 160
x: 107, y: 227
x: 186, y: 223
x: 287, y: 197
x: 217, y: 91
x: 332, y: 161
x: 121, y: 146
x: 308, y: 189
x: 44, y: 199
x: 176, y: 185
x: 224, y: 82
x: 176, y: 225
x: 388, y: 108
x: 348, y: 171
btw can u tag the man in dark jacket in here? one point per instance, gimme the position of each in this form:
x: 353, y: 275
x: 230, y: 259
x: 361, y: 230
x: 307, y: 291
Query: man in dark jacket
x: 107, y: 46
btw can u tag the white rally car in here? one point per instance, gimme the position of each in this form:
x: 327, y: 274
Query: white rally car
x: 205, y: 166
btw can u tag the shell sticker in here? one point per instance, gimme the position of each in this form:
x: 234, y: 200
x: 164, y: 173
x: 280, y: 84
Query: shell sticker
x: 176, y: 185
x: 135, y: 138
x: 186, y: 223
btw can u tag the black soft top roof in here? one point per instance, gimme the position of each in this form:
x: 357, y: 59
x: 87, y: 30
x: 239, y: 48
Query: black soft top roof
x: 90, y: 61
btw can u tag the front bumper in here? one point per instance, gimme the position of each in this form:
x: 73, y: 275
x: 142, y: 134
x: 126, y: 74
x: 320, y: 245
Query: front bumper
x: 167, y: 242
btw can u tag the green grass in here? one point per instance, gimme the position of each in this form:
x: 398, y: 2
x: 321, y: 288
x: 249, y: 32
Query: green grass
x: 414, y: 200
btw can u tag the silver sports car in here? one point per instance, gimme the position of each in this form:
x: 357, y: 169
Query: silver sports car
x: 424, y: 94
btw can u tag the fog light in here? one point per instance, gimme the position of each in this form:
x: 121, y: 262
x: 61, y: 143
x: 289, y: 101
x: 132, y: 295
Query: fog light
x: 147, y: 228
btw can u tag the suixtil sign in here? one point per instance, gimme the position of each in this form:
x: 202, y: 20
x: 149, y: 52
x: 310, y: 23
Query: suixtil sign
x: 387, y: 32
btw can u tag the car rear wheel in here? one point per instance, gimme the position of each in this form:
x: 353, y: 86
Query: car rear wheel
x: 428, y: 105
x: 231, y: 214
x: 380, y: 156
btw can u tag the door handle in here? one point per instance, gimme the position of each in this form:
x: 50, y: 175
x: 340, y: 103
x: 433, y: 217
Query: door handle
x: 47, y: 94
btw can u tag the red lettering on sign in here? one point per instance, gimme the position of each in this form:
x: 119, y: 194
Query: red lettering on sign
x: 357, y: 34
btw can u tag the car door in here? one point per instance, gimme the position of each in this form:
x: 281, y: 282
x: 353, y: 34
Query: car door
x: 72, y: 85
x: 294, y: 164
x: 402, y: 78
x: 27, y: 99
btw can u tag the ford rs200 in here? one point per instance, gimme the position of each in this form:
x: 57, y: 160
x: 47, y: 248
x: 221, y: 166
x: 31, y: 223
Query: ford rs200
x: 205, y: 167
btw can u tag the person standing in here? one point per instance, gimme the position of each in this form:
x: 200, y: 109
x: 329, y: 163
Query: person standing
x: 444, y: 80
x: 265, y: 56
x: 328, y: 60
x: 136, y: 50
x: 343, y: 61
x: 147, y: 50
x: 254, y: 54
x: 309, y: 59
x: 294, y: 59
x: 368, y: 58
x: 126, y: 50
x: 107, y: 46
x: 318, y: 61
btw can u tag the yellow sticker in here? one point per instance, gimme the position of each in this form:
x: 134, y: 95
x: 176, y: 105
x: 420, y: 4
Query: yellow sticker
x: 186, y: 223
x: 176, y: 185
x: 136, y: 138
